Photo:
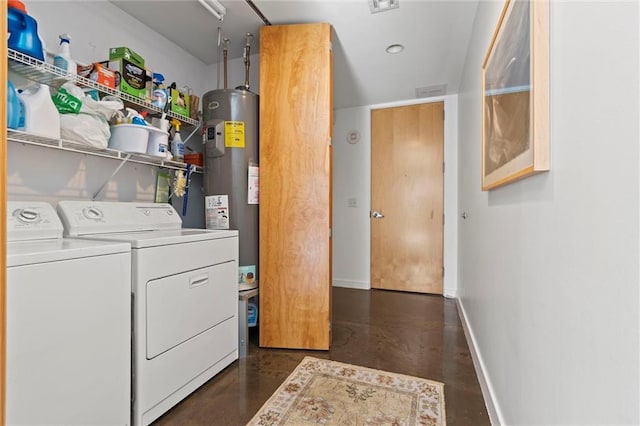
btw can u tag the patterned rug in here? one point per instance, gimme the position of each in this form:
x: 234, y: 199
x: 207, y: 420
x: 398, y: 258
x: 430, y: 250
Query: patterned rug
x: 332, y: 393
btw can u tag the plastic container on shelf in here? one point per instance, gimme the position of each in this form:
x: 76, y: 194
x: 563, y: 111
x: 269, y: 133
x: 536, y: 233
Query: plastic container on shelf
x: 13, y: 107
x: 40, y: 114
x: 177, y: 145
x: 63, y: 59
x: 23, y: 30
x: 159, y: 91
x: 158, y: 144
x: 129, y: 138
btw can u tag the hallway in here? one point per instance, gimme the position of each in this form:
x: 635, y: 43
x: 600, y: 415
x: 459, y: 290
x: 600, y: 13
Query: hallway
x: 414, y: 334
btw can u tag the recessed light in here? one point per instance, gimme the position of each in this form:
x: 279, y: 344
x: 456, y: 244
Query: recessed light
x: 395, y: 48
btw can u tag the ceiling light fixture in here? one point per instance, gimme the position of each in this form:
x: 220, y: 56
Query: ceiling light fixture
x: 214, y: 7
x: 394, y: 48
x: 383, y: 5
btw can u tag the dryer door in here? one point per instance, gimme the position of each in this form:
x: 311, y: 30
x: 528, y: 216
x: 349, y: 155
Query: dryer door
x: 182, y: 306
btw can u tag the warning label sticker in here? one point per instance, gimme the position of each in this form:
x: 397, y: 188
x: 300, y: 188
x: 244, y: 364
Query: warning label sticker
x: 234, y: 134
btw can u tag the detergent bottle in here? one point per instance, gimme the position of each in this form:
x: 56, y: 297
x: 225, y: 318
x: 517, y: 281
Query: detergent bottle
x: 23, y: 30
x: 177, y: 146
x: 40, y: 113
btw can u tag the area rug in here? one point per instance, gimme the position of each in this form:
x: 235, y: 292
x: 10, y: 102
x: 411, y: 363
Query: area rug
x: 332, y: 393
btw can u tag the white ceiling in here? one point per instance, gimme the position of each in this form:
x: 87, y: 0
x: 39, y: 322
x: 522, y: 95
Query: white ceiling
x: 435, y: 35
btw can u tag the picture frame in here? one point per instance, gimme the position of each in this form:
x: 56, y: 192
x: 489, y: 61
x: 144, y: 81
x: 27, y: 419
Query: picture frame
x: 515, y: 95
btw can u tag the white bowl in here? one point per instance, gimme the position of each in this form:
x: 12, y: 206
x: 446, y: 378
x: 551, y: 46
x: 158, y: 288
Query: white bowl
x: 129, y: 138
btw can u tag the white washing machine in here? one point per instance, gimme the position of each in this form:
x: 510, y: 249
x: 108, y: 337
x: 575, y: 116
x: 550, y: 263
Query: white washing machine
x: 68, y: 324
x: 185, y: 296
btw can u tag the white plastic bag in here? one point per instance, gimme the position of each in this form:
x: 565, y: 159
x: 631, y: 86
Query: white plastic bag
x: 91, y: 125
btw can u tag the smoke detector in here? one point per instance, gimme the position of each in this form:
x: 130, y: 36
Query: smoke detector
x: 383, y: 5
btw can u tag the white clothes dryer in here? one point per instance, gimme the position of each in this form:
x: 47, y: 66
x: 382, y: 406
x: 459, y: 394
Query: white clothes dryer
x: 185, y: 290
x: 68, y: 323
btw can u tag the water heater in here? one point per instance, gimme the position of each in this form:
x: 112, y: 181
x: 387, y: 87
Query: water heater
x: 230, y: 118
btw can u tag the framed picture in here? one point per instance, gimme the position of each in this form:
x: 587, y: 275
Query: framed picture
x: 515, y: 95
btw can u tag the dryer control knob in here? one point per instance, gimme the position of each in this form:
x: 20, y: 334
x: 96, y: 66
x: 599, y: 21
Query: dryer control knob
x: 92, y: 213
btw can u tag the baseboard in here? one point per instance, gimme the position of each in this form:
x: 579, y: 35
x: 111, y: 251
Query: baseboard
x: 495, y: 415
x: 450, y: 293
x: 361, y: 285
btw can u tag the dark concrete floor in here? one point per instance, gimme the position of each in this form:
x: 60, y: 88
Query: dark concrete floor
x: 414, y: 334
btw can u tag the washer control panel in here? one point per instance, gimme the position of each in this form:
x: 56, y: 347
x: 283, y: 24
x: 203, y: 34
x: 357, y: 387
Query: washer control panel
x: 32, y: 220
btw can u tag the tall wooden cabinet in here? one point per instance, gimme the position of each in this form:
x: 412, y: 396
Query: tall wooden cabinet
x: 295, y: 186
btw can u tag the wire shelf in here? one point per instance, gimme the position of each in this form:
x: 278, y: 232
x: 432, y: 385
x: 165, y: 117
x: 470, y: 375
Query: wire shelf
x: 71, y: 146
x: 52, y: 76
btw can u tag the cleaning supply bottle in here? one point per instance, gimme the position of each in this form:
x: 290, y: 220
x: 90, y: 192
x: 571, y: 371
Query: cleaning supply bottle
x: 159, y: 97
x: 40, y: 113
x: 63, y: 59
x: 23, y: 30
x: 13, y: 106
x: 177, y: 146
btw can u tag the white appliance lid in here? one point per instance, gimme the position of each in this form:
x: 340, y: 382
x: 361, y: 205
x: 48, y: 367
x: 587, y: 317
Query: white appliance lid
x: 32, y: 220
x: 82, y: 218
x: 160, y: 238
x: 54, y: 250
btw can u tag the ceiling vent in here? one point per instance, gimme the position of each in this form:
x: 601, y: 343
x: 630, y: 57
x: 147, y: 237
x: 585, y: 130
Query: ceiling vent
x: 431, y: 91
x: 383, y: 5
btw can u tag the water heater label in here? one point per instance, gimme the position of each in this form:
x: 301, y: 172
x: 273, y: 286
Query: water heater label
x: 217, y: 211
x: 234, y: 134
x: 253, y: 190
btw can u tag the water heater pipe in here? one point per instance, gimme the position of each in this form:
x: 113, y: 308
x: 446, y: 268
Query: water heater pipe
x: 247, y: 50
x: 225, y: 51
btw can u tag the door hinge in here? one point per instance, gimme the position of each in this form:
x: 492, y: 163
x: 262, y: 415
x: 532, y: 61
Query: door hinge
x: 443, y: 167
x: 443, y: 271
x: 330, y: 233
x: 442, y: 115
x: 443, y: 218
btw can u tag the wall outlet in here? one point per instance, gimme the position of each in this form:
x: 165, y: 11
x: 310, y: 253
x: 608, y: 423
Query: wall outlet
x: 352, y: 202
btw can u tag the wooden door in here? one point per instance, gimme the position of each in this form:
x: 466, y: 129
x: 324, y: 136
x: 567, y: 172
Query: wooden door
x: 407, y: 178
x: 295, y: 186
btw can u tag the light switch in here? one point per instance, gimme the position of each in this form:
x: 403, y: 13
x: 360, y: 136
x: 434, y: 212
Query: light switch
x: 352, y: 202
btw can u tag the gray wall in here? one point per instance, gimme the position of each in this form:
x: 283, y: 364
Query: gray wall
x: 549, y: 265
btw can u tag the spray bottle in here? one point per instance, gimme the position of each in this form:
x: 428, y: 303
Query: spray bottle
x: 177, y: 146
x: 63, y: 59
x: 159, y: 91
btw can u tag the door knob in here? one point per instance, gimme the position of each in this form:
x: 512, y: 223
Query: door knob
x: 377, y: 215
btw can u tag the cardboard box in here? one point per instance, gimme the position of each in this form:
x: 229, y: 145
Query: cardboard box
x: 246, y: 274
x: 129, y: 78
x: 98, y: 72
x: 126, y: 53
x: 194, y: 158
x: 179, y: 102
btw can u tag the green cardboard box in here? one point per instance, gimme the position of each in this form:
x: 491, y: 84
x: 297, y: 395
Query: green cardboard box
x: 126, y: 53
x: 130, y: 78
x: 180, y: 102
